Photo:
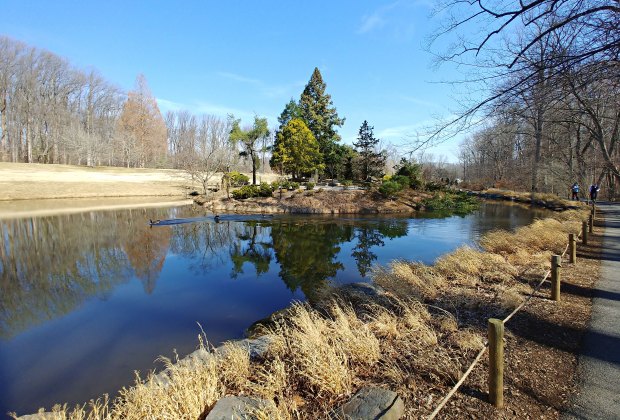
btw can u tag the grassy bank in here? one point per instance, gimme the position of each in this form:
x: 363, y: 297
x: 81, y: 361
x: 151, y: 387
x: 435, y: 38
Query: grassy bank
x: 550, y: 201
x: 416, y: 339
x: 330, y: 201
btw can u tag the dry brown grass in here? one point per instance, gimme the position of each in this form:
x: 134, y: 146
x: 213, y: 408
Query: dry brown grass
x: 468, y: 266
x: 405, y: 278
x: 540, y: 236
x: 550, y: 200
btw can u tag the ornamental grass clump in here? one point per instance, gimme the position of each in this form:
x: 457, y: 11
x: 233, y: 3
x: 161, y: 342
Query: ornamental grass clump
x: 542, y: 235
x: 405, y: 278
x: 468, y: 266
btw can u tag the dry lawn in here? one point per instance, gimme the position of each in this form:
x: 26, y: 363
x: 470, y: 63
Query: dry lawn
x: 23, y: 181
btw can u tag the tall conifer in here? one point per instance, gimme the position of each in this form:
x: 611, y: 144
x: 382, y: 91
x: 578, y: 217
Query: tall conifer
x: 372, y: 162
x: 319, y: 114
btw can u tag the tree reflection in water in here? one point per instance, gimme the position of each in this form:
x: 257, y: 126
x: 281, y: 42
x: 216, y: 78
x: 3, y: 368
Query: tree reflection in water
x: 371, y: 235
x: 50, y: 266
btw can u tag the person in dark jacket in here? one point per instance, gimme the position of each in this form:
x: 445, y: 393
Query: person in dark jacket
x: 594, y: 189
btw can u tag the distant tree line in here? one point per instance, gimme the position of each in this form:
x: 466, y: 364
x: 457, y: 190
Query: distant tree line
x: 552, y: 73
x: 53, y: 112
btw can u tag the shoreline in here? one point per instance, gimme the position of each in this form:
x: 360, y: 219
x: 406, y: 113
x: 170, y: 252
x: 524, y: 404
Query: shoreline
x: 12, y: 209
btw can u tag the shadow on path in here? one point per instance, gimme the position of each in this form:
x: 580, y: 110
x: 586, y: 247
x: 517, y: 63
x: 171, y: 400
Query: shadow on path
x: 599, y: 357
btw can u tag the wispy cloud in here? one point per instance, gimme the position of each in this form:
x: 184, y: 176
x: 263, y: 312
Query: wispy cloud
x: 266, y: 89
x: 203, y: 108
x: 394, y: 17
x: 399, y: 132
x: 418, y: 101
x: 370, y: 22
x: 238, y: 78
x: 165, y: 105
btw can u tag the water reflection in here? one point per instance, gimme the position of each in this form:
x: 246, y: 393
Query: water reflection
x: 87, y: 298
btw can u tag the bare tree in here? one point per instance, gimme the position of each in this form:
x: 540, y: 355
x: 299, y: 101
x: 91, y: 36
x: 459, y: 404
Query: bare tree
x: 201, y: 146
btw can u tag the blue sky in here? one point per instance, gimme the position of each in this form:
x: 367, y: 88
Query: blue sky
x: 251, y: 57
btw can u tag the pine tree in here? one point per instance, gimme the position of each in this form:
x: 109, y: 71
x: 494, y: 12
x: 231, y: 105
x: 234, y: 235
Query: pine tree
x: 372, y: 162
x: 319, y: 114
x: 297, y: 150
x: 248, y: 140
x: 291, y: 111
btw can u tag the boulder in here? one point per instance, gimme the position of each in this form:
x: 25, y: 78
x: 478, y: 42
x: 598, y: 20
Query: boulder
x: 39, y: 416
x: 256, y: 347
x: 371, y: 403
x: 238, y: 408
x: 367, y: 289
x: 258, y: 328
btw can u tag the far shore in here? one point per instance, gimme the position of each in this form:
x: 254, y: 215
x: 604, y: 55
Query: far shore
x: 50, y: 207
x: 35, y: 190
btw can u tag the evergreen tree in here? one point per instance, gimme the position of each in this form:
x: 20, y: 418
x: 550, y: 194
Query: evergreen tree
x: 350, y: 156
x: 291, y: 111
x: 249, y: 141
x: 372, y: 162
x: 297, y: 150
x: 319, y: 114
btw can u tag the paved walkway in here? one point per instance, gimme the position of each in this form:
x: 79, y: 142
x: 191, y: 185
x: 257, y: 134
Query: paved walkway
x: 599, y: 362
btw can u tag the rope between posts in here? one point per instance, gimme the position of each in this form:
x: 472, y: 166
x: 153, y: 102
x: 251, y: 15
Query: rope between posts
x: 459, y: 383
x: 484, y: 349
x: 547, y: 274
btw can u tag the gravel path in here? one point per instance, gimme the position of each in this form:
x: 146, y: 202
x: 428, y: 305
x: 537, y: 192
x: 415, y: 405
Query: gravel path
x: 599, y: 361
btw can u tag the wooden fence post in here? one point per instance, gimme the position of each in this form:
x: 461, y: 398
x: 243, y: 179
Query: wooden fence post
x: 593, y: 211
x: 584, y: 233
x: 591, y: 224
x: 496, y: 362
x: 572, y: 248
x: 556, y: 263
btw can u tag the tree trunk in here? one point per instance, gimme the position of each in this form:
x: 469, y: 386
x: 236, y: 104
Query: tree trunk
x: 4, y: 143
x: 28, y: 142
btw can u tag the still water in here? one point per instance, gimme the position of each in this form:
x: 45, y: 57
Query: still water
x: 86, y: 299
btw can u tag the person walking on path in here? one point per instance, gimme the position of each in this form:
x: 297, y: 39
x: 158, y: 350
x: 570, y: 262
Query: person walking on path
x: 594, y: 188
x: 575, y: 191
x: 599, y: 359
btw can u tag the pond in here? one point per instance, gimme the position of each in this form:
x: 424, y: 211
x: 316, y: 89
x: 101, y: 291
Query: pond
x: 86, y: 299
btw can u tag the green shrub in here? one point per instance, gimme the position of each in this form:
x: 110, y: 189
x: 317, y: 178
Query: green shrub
x: 249, y: 191
x: 237, y: 179
x: 458, y: 203
x: 434, y: 186
x: 412, y: 171
x: 390, y: 188
x: 400, y: 179
x: 347, y: 183
x: 285, y: 185
x: 309, y: 186
x: 265, y: 190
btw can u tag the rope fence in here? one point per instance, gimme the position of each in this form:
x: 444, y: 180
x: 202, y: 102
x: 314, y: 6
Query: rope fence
x: 586, y: 226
